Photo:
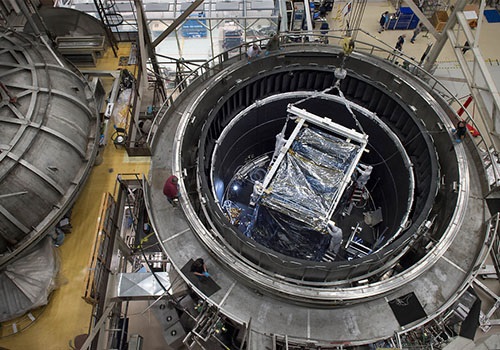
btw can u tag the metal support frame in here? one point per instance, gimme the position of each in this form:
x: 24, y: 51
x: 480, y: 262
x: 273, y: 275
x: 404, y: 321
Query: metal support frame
x: 283, y: 151
x: 488, y: 271
x: 283, y: 22
x: 194, y: 5
x: 480, y: 82
x: 477, y: 76
x: 143, y: 49
x: 485, y: 321
x: 441, y: 41
x: 422, y: 18
x: 97, y: 327
x: 204, y: 329
x: 355, y: 18
x: 146, y: 50
x: 351, y: 135
x: 246, y: 335
x: 327, y: 124
x: 307, y: 10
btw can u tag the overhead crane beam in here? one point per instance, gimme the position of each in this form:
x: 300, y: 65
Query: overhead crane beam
x: 481, y: 84
x: 442, y: 39
x: 411, y: 4
x: 177, y: 22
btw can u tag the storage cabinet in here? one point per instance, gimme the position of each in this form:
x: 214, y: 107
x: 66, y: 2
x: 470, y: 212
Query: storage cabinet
x: 404, y: 18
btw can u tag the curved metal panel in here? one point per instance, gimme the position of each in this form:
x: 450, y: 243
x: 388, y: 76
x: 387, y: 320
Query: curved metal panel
x: 395, y: 115
x: 48, y: 128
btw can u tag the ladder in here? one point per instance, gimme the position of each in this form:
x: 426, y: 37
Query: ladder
x: 110, y: 18
x: 356, y: 197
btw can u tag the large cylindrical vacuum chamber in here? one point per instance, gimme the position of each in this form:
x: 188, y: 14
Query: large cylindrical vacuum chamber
x: 399, y: 241
x: 251, y: 135
x: 242, y: 126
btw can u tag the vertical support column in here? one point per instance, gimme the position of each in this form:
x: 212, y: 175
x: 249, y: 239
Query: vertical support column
x: 411, y: 4
x: 479, y: 80
x: 441, y: 41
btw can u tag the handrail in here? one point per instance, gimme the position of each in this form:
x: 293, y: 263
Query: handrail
x: 212, y: 65
x: 237, y: 54
x: 96, y: 266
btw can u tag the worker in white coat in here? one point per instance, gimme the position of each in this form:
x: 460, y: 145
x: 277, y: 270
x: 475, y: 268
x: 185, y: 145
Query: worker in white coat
x: 336, y: 237
x: 364, y: 175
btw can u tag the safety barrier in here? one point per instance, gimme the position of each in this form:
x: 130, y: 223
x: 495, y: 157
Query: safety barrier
x: 211, y: 67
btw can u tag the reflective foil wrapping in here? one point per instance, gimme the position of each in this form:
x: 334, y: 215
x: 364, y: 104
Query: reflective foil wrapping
x: 309, y: 176
x: 288, y: 236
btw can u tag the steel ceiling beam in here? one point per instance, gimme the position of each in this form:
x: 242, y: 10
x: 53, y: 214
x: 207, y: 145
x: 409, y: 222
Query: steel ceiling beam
x: 177, y: 22
x: 422, y: 18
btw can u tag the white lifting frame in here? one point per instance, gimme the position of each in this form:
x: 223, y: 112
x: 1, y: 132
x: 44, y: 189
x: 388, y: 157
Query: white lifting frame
x: 327, y: 124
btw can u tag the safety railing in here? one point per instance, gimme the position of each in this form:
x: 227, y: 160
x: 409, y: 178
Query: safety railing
x: 483, y: 141
x: 213, y: 66
x: 97, y: 269
x: 220, y: 60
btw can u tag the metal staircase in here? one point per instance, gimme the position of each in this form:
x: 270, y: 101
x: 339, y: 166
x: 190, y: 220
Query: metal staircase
x: 111, y: 19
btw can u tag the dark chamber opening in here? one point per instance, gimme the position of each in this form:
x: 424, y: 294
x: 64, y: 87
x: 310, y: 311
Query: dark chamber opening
x: 250, y: 144
x: 255, y: 136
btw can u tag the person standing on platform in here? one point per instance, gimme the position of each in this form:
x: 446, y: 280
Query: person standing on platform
x: 420, y: 5
x: 416, y: 32
x: 400, y: 42
x: 273, y: 44
x: 384, y: 21
x: 426, y: 52
x: 336, y: 237
x: 171, y: 190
